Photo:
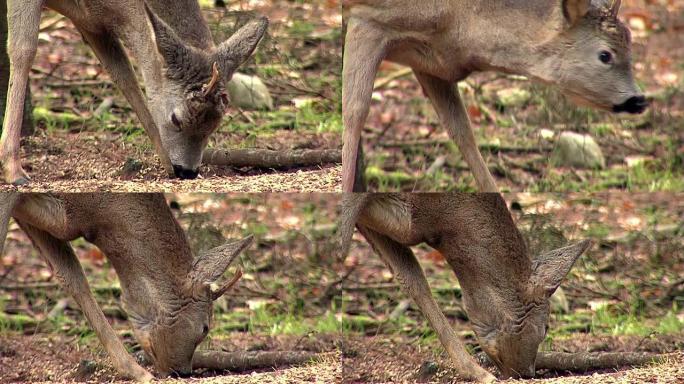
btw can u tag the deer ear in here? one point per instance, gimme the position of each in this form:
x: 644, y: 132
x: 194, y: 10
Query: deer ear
x: 549, y: 269
x: 239, y: 47
x: 615, y: 7
x: 211, y: 264
x: 178, y: 56
x: 575, y: 10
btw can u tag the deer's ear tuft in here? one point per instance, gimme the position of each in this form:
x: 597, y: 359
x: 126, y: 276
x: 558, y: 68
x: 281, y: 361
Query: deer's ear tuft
x: 211, y: 264
x: 240, y: 46
x: 180, y: 59
x: 575, y: 10
x: 549, y: 269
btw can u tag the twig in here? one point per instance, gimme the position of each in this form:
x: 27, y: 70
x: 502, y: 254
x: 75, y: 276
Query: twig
x: 265, y: 158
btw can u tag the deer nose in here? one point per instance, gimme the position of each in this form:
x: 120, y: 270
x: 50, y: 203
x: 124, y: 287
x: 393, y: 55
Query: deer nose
x: 635, y: 104
x: 184, y: 173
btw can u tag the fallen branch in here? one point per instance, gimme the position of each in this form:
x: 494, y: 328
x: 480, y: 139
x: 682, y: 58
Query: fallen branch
x: 244, y: 361
x: 264, y: 158
x: 587, y: 361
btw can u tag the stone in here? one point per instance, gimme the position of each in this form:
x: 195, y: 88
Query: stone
x: 578, y: 151
x: 513, y: 97
x: 249, y: 92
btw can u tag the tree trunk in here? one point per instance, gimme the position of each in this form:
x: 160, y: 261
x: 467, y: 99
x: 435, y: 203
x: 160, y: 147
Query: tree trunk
x: 27, y: 127
x: 264, y: 158
x: 244, y: 361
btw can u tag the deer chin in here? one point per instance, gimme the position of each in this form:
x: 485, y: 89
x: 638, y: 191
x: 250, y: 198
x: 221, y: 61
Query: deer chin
x: 582, y: 101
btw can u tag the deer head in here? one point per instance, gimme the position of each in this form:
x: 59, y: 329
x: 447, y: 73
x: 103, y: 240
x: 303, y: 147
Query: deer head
x: 178, y: 317
x: 590, y: 58
x: 510, y: 319
x: 190, y: 104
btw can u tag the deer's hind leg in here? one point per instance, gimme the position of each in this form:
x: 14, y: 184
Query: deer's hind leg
x: 408, y: 272
x: 449, y: 106
x: 23, y: 23
x: 364, y: 49
x: 62, y: 260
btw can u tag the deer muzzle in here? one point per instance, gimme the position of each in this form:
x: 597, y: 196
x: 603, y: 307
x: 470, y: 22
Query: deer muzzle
x: 184, y: 173
x: 635, y: 105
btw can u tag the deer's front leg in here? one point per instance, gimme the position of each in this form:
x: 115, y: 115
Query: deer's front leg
x: 364, y: 49
x: 23, y: 22
x: 66, y: 267
x: 449, y: 106
x: 408, y: 272
x: 111, y: 54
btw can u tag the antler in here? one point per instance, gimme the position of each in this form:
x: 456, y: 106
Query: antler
x: 211, y: 86
x: 227, y: 286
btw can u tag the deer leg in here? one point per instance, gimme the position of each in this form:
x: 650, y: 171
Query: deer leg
x: 111, y: 54
x: 408, y: 272
x: 364, y: 50
x: 7, y: 202
x: 449, y: 106
x: 23, y: 21
x: 61, y: 258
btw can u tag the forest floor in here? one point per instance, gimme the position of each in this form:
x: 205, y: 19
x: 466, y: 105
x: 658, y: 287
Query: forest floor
x: 624, y: 294
x: 299, y: 60
x: 404, y: 143
x: 281, y: 302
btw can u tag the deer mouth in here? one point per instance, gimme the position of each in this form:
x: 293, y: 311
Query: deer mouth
x: 184, y: 173
x: 634, y: 105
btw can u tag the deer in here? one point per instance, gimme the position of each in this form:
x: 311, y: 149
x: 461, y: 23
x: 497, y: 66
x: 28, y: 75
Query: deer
x: 505, y: 292
x: 165, y: 291
x: 579, y: 46
x: 184, y: 72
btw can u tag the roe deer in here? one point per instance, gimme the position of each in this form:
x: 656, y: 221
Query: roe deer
x: 183, y: 76
x: 578, y: 45
x: 164, y: 290
x: 505, y: 293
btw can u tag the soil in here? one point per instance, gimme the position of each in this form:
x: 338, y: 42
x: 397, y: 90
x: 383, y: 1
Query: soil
x: 400, y: 359
x: 60, y: 359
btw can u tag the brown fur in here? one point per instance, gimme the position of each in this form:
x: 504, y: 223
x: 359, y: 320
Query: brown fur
x: 444, y: 41
x: 175, y: 114
x: 505, y: 293
x: 165, y: 290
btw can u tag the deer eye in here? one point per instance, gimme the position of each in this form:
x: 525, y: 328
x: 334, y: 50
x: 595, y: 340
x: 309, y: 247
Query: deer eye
x: 605, y: 57
x: 205, y: 329
x: 175, y: 121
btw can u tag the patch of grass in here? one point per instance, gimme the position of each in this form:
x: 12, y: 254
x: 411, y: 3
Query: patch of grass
x: 56, y: 120
x: 614, y: 320
x: 314, y: 115
x: 265, y: 319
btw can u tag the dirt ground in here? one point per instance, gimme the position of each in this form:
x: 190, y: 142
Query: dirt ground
x: 59, y: 359
x: 298, y: 60
x: 401, y: 359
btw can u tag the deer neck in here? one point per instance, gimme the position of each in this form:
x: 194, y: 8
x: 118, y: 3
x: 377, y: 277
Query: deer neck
x: 138, y: 37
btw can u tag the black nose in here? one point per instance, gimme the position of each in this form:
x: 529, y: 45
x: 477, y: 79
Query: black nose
x: 635, y: 104
x: 183, y: 173
x: 180, y: 374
